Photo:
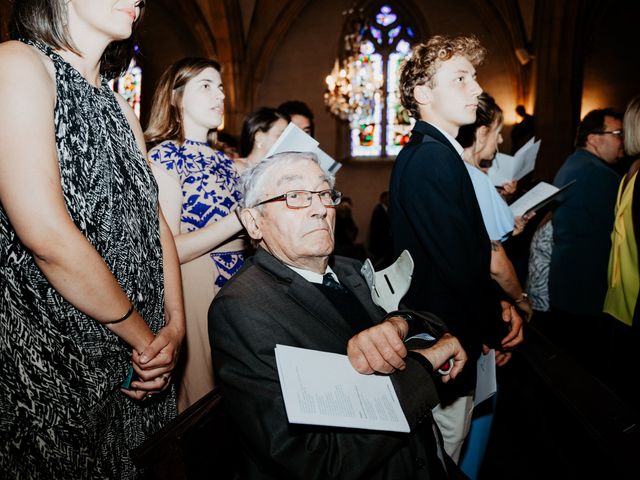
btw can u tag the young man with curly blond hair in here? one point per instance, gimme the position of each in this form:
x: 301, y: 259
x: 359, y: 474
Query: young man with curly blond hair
x: 436, y: 217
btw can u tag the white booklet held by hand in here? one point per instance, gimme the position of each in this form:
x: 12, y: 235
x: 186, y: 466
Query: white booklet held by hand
x: 506, y: 167
x: 536, y: 198
x: 321, y: 388
x: 294, y: 139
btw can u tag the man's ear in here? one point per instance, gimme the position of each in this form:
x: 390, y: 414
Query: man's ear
x: 422, y: 94
x: 250, y: 224
x: 591, y: 140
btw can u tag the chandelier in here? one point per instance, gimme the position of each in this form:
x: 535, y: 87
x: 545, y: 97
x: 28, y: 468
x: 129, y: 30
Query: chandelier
x: 352, y: 85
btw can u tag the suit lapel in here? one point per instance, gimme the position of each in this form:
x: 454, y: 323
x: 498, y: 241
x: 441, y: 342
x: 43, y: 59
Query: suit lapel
x: 352, y: 279
x: 305, y: 294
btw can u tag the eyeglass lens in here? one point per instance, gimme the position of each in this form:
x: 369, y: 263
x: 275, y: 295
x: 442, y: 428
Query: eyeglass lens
x: 303, y: 198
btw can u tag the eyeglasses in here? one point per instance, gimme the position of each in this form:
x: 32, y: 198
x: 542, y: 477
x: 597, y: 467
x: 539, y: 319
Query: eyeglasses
x: 617, y: 133
x: 303, y: 198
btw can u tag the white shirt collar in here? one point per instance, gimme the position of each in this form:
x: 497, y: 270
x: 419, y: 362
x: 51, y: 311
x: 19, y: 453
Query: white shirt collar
x: 452, y: 140
x: 313, y: 277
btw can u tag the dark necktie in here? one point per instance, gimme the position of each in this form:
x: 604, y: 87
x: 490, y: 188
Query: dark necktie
x: 329, y: 281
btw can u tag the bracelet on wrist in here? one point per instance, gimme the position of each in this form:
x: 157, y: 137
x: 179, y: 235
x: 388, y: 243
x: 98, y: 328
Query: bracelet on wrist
x: 122, y: 319
x: 523, y: 298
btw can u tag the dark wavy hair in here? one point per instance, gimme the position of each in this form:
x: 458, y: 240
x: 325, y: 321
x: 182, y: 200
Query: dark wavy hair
x: 422, y: 65
x: 45, y: 21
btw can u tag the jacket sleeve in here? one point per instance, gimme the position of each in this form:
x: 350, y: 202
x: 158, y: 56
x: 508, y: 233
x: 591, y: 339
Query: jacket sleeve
x: 421, y: 322
x: 243, y: 338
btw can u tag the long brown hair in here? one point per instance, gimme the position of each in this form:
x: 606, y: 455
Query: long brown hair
x: 165, y: 119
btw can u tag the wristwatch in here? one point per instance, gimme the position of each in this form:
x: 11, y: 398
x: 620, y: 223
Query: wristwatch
x: 523, y: 298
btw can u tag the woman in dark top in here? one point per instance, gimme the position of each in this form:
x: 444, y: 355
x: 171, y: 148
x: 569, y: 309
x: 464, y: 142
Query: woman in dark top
x: 89, y: 281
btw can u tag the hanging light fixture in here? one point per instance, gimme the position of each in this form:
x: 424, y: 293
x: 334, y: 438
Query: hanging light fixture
x: 352, y: 83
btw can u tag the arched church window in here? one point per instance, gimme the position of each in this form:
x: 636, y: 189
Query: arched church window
x: 129, y: 85
x: 363, y: 88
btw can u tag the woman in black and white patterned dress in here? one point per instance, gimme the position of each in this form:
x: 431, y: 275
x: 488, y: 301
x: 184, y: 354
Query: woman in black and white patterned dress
x: 89, y: 278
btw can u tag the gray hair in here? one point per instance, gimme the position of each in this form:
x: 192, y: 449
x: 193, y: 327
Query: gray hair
x: 252, y: 180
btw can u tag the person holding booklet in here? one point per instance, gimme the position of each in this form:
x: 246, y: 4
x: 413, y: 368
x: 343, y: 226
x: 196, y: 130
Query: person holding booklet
x: 480, y: 141
x: 293, y: 292
x: 198, y: 195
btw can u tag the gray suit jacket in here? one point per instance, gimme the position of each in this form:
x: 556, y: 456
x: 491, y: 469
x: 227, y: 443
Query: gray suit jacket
x: 267, y: 303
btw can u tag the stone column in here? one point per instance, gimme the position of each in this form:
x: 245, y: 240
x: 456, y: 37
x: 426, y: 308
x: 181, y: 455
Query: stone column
x: 560, y: 34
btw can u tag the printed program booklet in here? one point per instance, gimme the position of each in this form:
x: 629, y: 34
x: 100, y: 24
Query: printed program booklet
x: 506, y: 167
x: 322, y: 388
x: 294, y: 139
x: 536, y: 198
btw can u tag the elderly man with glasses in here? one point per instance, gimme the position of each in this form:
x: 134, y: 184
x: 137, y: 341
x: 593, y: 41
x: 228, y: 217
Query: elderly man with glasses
x: 293, y: 292
x: 582, y: 226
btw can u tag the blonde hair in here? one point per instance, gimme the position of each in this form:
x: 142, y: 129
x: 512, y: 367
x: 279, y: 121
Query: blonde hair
x: 421, y: 67
x: 165, y: 119
x: 631, y: 127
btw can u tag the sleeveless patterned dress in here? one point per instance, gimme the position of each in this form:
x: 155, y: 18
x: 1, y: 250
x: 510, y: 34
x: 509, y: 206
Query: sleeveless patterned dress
x: 61, y: 412
x: 209, y: 185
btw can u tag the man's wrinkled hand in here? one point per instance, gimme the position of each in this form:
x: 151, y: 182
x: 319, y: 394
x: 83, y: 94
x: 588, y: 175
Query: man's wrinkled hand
x: 446, y: 348
x: 380, y: 348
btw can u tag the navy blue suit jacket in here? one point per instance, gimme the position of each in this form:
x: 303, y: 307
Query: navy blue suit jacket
x: 582, y: 226
x: 435, y: 215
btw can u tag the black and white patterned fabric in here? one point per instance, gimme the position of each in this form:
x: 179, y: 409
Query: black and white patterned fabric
x: 62, y: 414
x: 539, y: 261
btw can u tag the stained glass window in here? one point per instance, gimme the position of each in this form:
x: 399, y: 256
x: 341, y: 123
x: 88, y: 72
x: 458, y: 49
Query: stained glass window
x: 366, y: 137
x: 383, y: 130
x: 129, y: 85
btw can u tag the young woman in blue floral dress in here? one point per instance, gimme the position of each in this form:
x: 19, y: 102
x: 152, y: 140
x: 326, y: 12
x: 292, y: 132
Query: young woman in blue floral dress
x: 198, y: 196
